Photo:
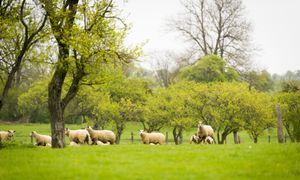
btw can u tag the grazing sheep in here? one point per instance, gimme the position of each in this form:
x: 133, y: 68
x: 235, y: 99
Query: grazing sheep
x: 154, y: 137
x: 204, y: 131
x: 209, y: 140
x: 194, y: 139
x: 7, y: 135
x: 79, y: 136
x: 41, y: 140
x: 104, y: 136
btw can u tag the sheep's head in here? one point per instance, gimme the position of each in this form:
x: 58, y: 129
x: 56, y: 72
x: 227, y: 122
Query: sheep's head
x: 67, y: 131
x: 200, y: 124
x: 141, y: 132
x: 11, y: 133
x: 89, y: 128
x: 32, y: 134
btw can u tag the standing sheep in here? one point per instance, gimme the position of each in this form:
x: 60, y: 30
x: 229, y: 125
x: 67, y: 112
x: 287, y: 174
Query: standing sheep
x: 79, y: 136
x: 41, y: 140
x: 7, y: 135
x: 105, y: 136
x: 154, y: 137
x: 204, y: 131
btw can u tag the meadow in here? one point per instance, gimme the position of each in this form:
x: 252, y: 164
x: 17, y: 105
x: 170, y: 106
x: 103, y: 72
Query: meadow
x: 21, y: 160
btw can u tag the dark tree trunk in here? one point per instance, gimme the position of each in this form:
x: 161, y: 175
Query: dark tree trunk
x: 56, y: 110
x: 235, y: 137
x: 218, y: 137
x: 223, y: 140
x: 255, y: 139
x: 279, y: 125
x: 119, y: 133
x: 177, y: 135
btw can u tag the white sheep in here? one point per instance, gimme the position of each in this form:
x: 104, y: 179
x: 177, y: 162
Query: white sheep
x: 209, y: 140
x: 104, y: 136
x: 194, y: 139
x: 154, y: 137
x: 41, y: 140
x: 7, y: 135
x: 79, y: 136
x: 204, y: 131
x: 100, y: 143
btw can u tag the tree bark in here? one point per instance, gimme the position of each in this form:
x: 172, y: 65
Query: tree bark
x: 280, y: 135
x: 255, y: 139
x: 119, y: 133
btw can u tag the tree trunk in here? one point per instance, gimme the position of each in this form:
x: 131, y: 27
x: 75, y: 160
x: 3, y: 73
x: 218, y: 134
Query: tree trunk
x: 218, y: 137
x: 118, y: 137
x: 177, y: 135
x: 235, y: 137
x: 223, y: 140
x: 56, y: 110
x: 279, y: 125
x: 255, y: 139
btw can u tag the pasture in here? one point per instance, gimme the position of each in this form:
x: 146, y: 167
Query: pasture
x: 20, y: 160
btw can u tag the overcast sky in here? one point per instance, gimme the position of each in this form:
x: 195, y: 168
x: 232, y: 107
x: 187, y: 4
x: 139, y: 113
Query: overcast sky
x: 276, y: 31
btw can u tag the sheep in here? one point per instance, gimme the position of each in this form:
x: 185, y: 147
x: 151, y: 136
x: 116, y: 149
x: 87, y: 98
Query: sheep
x: 104, y: 136
x: 72, y: 143
x: 194, y: 139
x: 154, y: 137
x: 209, y: 140
x: 41, y: 140
x: 204, y: 131
x: 79, y: 136
x: 7, y: 135
x: 101, y: 143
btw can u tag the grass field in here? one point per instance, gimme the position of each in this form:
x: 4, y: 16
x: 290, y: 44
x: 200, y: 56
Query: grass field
x: 20, y: 160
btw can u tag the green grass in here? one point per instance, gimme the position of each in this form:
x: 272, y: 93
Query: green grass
x: 21, y: 160
x: 137, y: 161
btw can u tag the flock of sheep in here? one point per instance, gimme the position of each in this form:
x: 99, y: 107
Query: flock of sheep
x: 106, y: 137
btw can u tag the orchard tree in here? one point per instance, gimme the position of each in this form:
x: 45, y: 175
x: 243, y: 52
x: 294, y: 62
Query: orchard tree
x: 208, y: 69
x: 290, y: 107
x: 216, y: 27
x: 89, y: 38
x: 20, y: 30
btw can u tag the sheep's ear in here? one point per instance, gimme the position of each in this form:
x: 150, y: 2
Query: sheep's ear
x: 14, y: 131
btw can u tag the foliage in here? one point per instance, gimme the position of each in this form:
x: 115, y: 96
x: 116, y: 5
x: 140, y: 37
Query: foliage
x: 209, y: 69
x: 260, y: 80
x: 290, y: 107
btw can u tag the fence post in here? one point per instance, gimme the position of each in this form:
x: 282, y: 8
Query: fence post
x: 239, y: 139
x: 166, y: 137
x: 279, y: 125
x: 269, y: 139
x: 131, y: 137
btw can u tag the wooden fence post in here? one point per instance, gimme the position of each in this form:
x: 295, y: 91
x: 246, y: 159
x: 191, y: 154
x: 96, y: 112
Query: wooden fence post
x: 239, y: 139
x: 131, y: 137
x: 269, y: 139
x: 279, y: 125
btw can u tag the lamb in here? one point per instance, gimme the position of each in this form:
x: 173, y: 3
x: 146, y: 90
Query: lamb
x: 204, y: 131
x: 194, y: 139
x: 41, y: 140
x: 209, y: 140
x: 79, y: 136
x: 154, y: 137
x: 105, y: 136
x: 7, y: 135
x: 99, y: 143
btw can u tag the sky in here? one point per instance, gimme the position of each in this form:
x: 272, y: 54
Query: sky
x: 276, y: 30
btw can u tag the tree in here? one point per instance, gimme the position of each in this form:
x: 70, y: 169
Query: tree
x: 216, y: 27
x: 12, y: 52
x: 290, y: 107
x: 260, y: 80
x: 88, y: 39
x: 208, y: 69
